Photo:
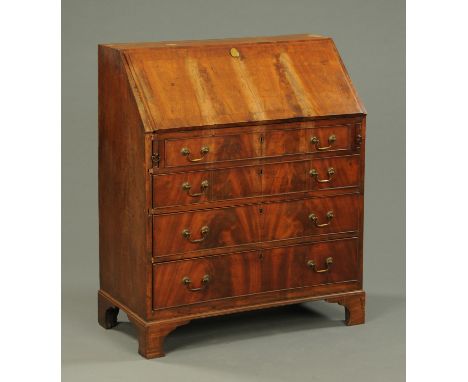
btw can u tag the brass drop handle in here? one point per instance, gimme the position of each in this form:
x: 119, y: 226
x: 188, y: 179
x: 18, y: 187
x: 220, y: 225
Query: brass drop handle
x: 314, y: 218
x: 186, y: 153
x: 204, y: 233
x: 328, y: 262
x: 203, y: 187
x: 314, y: 173
x: 204, y: 283
x: 316, y: 142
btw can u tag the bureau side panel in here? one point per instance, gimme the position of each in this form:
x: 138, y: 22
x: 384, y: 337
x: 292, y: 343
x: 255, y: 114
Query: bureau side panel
x: 362, y: 146
x: 123, y: 257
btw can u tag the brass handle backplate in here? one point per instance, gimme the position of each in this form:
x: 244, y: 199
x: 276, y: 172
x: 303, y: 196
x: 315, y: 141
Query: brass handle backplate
x: 316, y: 142
x: 204, y: 283
x: 203, y: 151
x: 203, y: 187
x: 328, y: 262
x: 314, y: 173
x: 314, y: 218
x: 188, y: 235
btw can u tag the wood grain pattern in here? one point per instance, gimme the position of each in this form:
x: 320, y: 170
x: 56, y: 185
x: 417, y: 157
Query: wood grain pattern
x: 239, y: 182
x: 346, y: 172
x: 191, y: 137
x: 122, y: 178
x: 291, y: 219
x: 251, y: 224
x: 225, y: 148
x: 255, y: 181
x: 191, y: 85
x: 253, y: 272
x: 285, y: 177
x: 168, y: 190
x: 227, y: 227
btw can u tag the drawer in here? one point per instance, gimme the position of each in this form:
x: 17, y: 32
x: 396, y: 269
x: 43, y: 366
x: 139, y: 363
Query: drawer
x: 183, y: 152
x: 187, y: 282
x: 251, y: 181
x: 274, y: 141
x: 192, y: 231
x: 285, y: 220
x: 224, y: 227
x: 308, y: 140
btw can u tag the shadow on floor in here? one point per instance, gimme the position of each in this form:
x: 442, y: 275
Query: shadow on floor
x: 239, y: 326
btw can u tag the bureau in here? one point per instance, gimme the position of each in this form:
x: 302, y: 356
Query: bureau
x: 231, y: 178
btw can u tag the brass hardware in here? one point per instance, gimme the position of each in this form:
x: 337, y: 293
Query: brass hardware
x: 203, y: 187
x: 358, y: 141
x: 328, y: 262
x: 204, y: 233
x: 330, y: 172
x: 314, y: 218
x: 234, y: 52
x: 204, y: 283
x: 186, y: 152
x: 316, y: 142
x: 155, y: 158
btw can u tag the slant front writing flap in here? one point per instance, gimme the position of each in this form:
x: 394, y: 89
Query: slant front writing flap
x: 239, y: 81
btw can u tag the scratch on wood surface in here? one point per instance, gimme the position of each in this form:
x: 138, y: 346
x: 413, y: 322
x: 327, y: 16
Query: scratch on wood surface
x: 296, y: 85
x: 248, y: 89
x: 205, y: 104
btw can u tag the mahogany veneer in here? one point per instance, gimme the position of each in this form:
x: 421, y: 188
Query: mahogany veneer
x: 231, y: 178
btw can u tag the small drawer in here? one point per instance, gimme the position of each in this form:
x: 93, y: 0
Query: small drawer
x: 186, y: 282
x: 193, y: 231
x: 286, y: 220
x: 308, y: 140
x: 189, y: 151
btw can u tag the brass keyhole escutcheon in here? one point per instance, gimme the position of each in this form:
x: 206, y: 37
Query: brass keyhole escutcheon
x: 234, y: 53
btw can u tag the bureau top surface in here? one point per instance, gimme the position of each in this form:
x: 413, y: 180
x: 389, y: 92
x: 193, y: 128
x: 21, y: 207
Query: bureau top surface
x: 187, y: 84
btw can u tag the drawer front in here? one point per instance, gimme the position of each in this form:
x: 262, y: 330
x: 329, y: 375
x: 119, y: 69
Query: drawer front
x: 224, y: 227
x: 228, y: 275
x: 273, y: 142
x: 335, y: 172
x: 239, y: 182
x: 251, y: 181
x: 191, y: 231
x: 183, y: 152
x: 320, y: 139
x: 319, y: 216
x: 187, y: 282
x: 281, y: 178
x: 180, y: 189
x: 310, y: 264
